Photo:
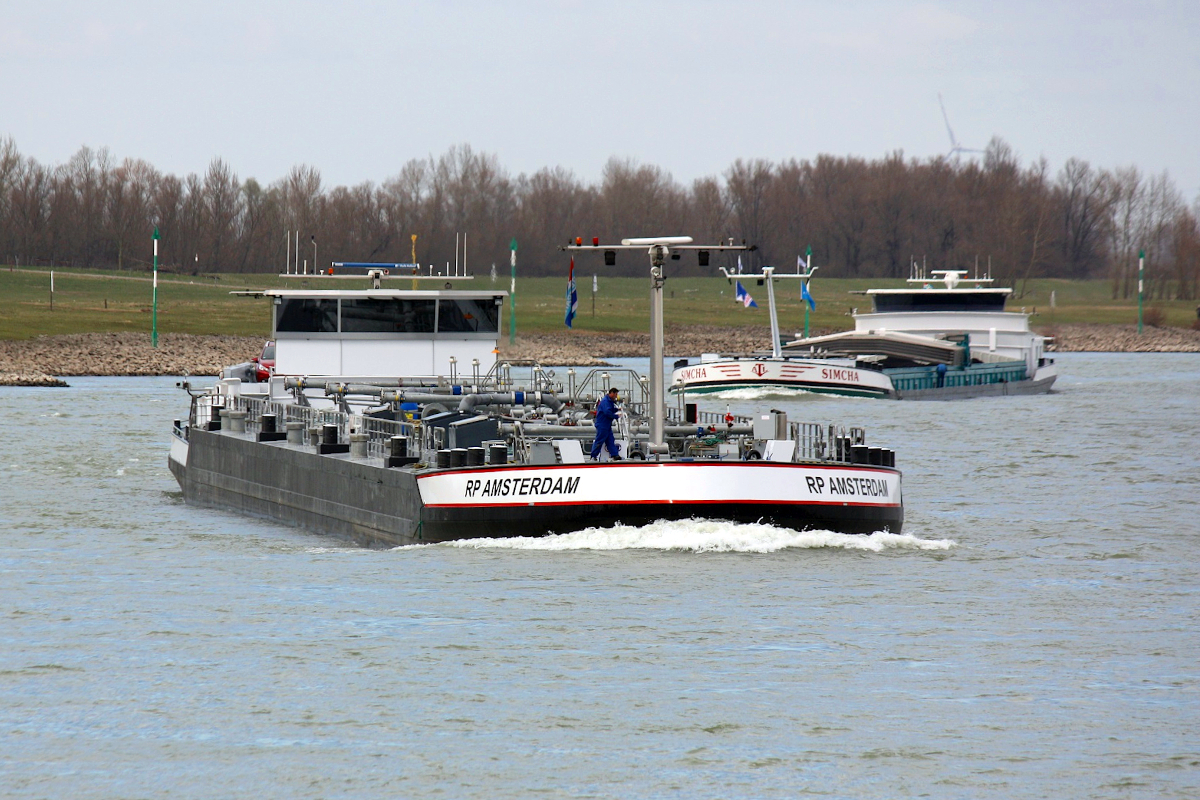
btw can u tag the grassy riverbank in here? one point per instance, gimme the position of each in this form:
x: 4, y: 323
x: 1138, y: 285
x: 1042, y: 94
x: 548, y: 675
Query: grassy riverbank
x: 108, y: 301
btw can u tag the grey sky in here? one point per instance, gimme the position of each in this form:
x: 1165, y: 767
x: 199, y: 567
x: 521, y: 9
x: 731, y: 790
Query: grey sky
x: 357, y: 89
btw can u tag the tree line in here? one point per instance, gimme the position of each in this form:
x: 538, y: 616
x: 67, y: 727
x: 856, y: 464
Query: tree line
x: 862, y: 218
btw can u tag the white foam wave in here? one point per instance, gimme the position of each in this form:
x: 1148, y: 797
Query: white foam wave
x: 707, y: 536
x: 756, y: 393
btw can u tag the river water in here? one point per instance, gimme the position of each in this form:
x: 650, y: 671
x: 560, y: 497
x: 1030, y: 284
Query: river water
x: 1033, y: 632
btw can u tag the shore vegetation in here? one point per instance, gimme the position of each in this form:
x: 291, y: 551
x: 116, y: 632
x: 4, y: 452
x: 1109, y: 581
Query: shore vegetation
x: 99, y: 301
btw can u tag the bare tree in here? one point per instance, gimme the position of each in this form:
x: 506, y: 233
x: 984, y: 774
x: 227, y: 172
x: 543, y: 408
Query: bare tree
x: 402, y: 204
x: 887, y: 198
x: 1037, y: 182
x: 29, y: 209
x: 1128, y: 198
x: 863, y: 218
x: 637, y: 197
x: 166, y: 213
x: 711, y: 210
x: 128, y: 205
x: 1085, y: 197
x: 259, y: 249
x: 303, y: 200
x: 748, y: 184
x: 553, y: 205
x: 10, y: 171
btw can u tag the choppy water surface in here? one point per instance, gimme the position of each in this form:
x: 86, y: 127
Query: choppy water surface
x: 1032, y: 633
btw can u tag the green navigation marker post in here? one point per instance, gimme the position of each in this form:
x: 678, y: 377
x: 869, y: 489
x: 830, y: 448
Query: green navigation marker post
x: 1141, y: 293
x: 512, y: 295
x: 154, y: 317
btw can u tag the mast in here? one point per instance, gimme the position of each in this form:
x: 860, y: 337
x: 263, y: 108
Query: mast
x: 769, y: 277
x: 657, y: 395
x: 659, y: 248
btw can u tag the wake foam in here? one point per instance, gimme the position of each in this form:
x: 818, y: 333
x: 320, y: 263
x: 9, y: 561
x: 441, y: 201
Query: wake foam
x: 771, y: 393
x: 758, y: 393
x: 706, y: 536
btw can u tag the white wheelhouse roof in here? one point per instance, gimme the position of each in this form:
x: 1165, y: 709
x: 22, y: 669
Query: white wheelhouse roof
x: 932, y: 290
x: 383, y: 294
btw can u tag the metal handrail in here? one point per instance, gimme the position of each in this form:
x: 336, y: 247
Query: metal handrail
x: 814, y: 442
x: 381, y: 432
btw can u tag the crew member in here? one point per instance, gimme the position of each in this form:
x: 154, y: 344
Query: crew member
x: 606, y: 412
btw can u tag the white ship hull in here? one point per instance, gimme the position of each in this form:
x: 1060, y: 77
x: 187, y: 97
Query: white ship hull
x: 828, y: 377
x: 511, y: 500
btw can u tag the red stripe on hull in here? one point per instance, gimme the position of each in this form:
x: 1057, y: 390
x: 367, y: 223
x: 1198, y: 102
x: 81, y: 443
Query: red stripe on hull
x: 839, y: 504
x: 659, y: 465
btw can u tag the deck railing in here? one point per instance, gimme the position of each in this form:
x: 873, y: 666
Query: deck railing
x: 814, y: 442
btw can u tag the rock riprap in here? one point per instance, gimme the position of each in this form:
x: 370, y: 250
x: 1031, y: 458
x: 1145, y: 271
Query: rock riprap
x: 34, y: 362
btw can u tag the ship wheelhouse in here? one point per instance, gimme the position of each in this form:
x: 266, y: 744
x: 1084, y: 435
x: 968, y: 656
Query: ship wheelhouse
x: 383, y: 332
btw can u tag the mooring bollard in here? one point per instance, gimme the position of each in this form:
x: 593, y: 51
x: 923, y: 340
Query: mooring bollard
x: 358, y: 444
x: 266, y: 423
x: 329, y: 434
x: 314, y: 436
x: 226, y: 422
x: 237, y: 421
x: 399, y: 446
x: 397, y: 453
x: 295, y: 433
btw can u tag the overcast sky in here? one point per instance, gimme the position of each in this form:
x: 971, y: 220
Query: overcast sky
x: 358, y: 89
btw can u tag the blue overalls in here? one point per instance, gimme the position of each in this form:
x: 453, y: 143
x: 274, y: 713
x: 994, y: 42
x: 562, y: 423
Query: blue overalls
x: 606, y: 412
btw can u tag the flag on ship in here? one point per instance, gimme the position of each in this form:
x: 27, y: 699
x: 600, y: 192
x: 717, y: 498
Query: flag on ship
x: 572, y: 296
x: 743, y: 297
x: 806, y: 297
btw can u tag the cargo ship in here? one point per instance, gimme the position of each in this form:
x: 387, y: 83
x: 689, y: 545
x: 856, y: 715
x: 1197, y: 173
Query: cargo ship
x: 939, y: 339
x: 361, y: 432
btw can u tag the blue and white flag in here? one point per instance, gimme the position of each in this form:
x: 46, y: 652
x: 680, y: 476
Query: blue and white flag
x: 743, y: 297
x: 806, y: 297
x: 572, y: 297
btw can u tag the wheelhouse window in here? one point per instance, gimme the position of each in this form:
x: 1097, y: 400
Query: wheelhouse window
x: 387, y: 315
x: 480, y: 315
x: 306, y: 315
x: 930, y: 301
